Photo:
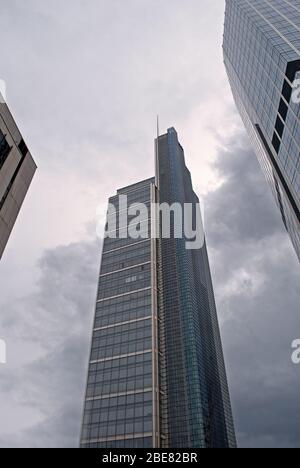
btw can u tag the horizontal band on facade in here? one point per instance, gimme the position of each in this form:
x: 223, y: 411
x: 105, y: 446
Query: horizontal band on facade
x: 117, y: 438
x: 119, y: 324
x: 114, y: 395
x: 126, y: 246
x: 125, y: 294
x: 124, y: 269
x: 126, y: 210
x: 128, y: 226
x: 139, y: 186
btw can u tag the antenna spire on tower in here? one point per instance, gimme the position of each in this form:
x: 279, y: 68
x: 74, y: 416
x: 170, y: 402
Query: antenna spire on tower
x: 156, y: 155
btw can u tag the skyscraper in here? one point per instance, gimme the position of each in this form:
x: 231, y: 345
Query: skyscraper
x: 156, y: 373
x: 262, y: 58
x: 16, y: 172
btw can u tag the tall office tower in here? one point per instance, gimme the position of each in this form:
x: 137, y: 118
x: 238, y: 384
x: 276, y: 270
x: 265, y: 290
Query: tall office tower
x: 156, y: 374
x: 198, y: 405
x: 262, y: 58
x: 17, y: 169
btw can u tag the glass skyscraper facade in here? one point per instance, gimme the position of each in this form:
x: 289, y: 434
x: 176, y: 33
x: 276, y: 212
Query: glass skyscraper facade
x: 156, y: 374
x: 262, y: 59
x: 17, y: 169
x: 122, y: 398
x: 198, y: 405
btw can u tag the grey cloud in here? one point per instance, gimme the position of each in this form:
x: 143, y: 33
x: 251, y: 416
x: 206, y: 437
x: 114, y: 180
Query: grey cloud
x: 95, y: 73
x: 257, y: 286
x: 57, y: 319
x: 242, y: 209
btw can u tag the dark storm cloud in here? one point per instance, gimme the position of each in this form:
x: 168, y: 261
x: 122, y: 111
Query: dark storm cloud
x: 242, y: 198
x: 257, y: 287
x: 58, y: 319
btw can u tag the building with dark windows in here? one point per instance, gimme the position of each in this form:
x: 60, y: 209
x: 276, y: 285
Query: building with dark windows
x: 156, y: 375
x: 16, y: 172
x: 262, y: 58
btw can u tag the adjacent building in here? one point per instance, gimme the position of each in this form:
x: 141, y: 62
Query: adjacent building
x: 262, y: 59
x: 16, y: 172
x: 156, y: 375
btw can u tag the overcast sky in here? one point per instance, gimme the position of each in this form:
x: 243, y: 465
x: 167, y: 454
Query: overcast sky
x: 85, y: 81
